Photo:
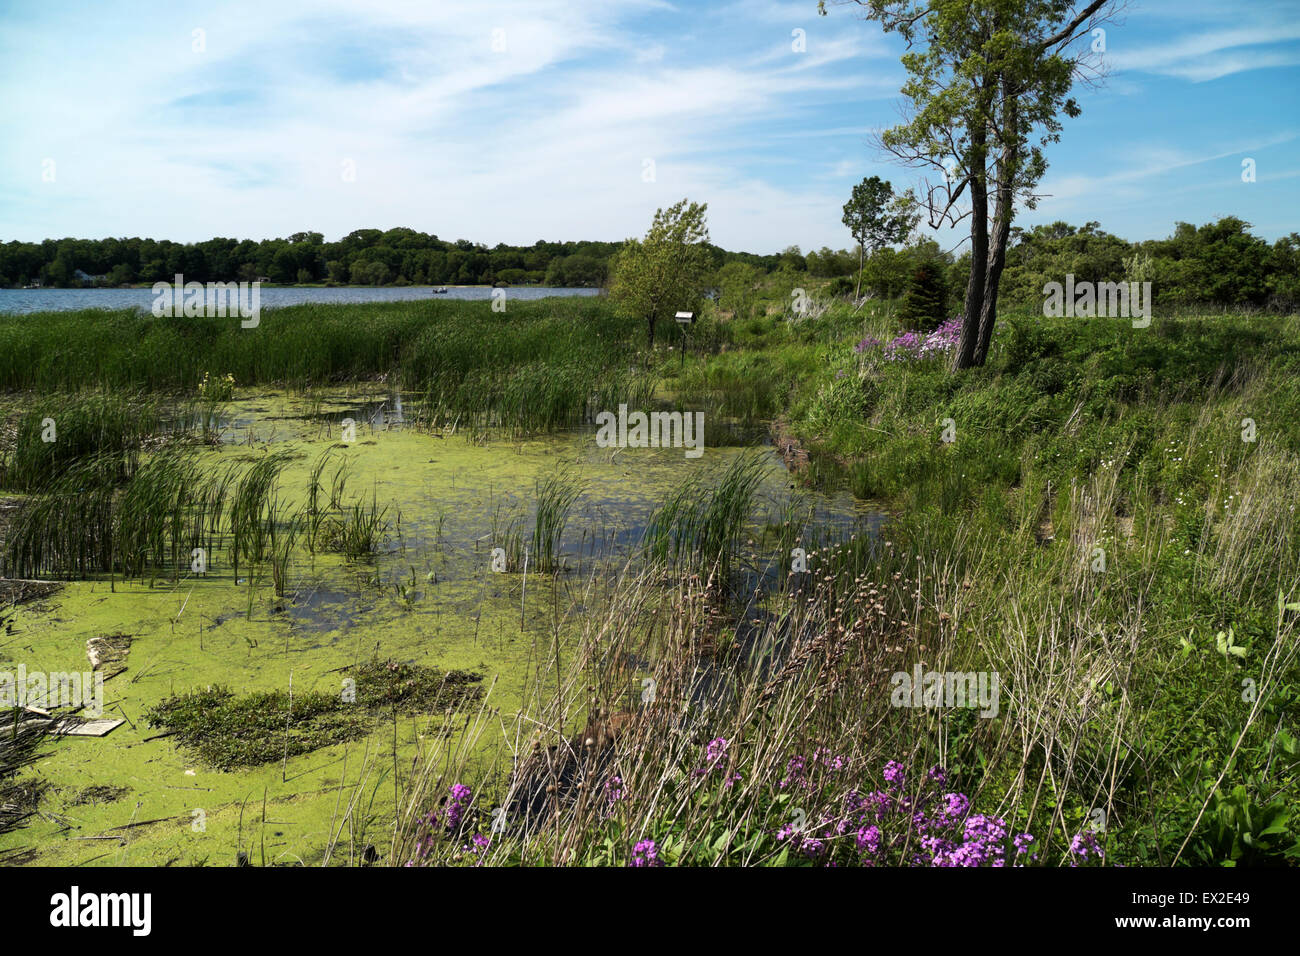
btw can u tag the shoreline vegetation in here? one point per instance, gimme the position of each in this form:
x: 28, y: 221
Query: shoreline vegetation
x: 1101, y: 520
x: 1222, y: 264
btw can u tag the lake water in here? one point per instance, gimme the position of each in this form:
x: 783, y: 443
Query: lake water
x: 19, y: 301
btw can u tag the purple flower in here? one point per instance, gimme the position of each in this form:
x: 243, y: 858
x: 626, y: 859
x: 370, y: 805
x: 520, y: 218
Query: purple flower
x: 614, y: 789
x: 956, y: 806
x: 918, y: 345
x: 458, y: 799
x: 714, y: 751
x: 894, y: 775
x: 795, y: 770
x: 645, y: 853
x: 827, y: 759
x: 811, y: 847
x: 1084, y: 845
x: 868, y: 840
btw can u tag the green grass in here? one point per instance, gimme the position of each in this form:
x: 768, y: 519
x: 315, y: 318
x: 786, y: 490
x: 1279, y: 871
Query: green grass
x: 56, y: 430
x: 556, y: 494
x: 699, y: 526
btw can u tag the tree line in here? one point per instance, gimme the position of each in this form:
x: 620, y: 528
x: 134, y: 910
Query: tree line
x: 364, y: 257
x: 1221, y: 263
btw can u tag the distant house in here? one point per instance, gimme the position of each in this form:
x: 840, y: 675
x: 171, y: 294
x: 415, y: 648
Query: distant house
x: 85, y: 278
x: 262, y: 279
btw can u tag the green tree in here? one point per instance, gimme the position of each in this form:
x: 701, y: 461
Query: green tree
x: 667, y: 271
x: 284, y: 266
x: 877, y: 218
x: 738, y: 282
x: 986, y: 83
x: 1284, y: 272
x: 925, y: 301
x: 338, y: 271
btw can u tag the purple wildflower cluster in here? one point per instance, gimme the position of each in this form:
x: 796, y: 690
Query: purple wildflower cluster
x: 715, y: 753
x: 926, y: 824
x: 458, y: 800
x: 646, y: 853
x: 929, y: 827
x: 477, y: 848
x: 1084, y: 847
x: 916, y: 345
x: 804, y: 842
x: 799, y: 770
x: 444, y: 821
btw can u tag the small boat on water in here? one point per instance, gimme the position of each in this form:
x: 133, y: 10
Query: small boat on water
x: 441, y: 290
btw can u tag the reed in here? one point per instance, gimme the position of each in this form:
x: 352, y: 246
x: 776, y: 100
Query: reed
x: 57, y: 430
x: 361, y: 530
x: 700, y: 524
x: 251, y: 510
x: 507, y: 535
x: 281, y: 537
x: 313, y: 514
x: 556, y: 494
x: 427, y: 344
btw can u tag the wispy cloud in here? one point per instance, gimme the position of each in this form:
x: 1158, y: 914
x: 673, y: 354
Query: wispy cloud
x: 503, y: 120
x: 1213, y: 53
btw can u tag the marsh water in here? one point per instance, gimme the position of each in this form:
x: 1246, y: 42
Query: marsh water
x: 22, y: 301
x: 428, y: 596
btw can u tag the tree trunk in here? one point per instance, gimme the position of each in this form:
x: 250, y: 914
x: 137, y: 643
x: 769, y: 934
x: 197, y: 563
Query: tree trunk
x: 968, y: 342
x: 966, y: 355
x: 1005, y: 211
x: 997, y: 259
x: 650, y: 333
x: 857, y: 293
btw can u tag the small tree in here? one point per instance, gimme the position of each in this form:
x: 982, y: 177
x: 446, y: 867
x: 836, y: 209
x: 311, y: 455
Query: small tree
x: 877, y: 218
x: 738, y: 282
x: 667, y: 271
x: 925, y: 302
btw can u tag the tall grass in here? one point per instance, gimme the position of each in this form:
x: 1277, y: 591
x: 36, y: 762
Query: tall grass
x: 56, y: 430
x: 361, y: 530
x: 252, y: 512
x: 700, y: 524
x: 85, y: 522
x: 539, y: 365
x: 556, y: 494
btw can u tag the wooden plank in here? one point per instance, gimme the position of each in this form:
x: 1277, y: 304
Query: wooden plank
x: 88, y: 728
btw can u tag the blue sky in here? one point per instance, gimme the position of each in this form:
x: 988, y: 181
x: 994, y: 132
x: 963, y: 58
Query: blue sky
x: 518, y: 121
